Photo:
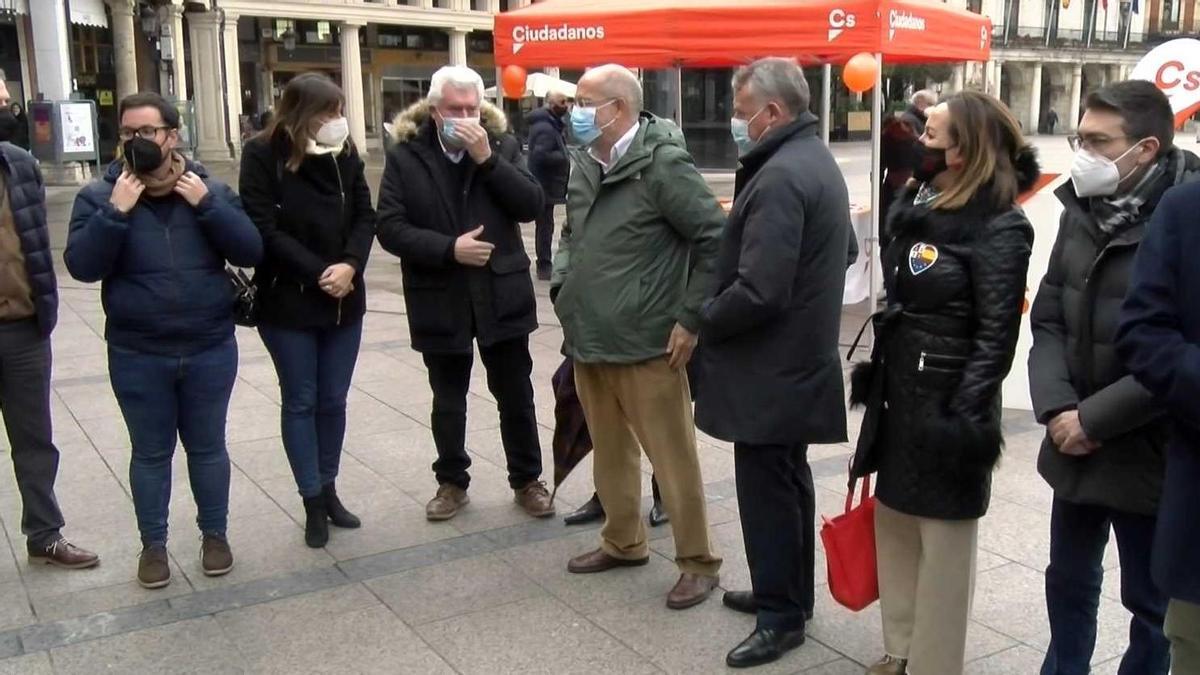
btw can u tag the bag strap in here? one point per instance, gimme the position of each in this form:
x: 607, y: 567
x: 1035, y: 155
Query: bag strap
x: 863, y: 496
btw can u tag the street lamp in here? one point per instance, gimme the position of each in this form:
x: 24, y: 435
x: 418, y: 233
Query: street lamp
x: 289, y: 40
x: 149, y: 19
x: 8, y: 11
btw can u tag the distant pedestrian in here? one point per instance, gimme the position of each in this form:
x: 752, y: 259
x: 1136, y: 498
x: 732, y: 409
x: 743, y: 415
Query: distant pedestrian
x: 304, y: 186
x: 157, y: 231
x: 918, y: 106
x: 899, y: 156
x: 1051, y: 121
x: 549, y: 164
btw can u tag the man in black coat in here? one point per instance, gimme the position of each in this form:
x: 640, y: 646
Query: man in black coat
x: 454, y: 193
x: 549, y: 164
x: 1103, y: 451
x: 771, y: 379
x: 920, y: 102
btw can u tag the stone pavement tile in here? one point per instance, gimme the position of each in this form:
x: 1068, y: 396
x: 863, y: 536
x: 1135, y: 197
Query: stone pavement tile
x: 696, y: 640
x: 1018, y: 660
x: 387, y: 525
x: 462, y: 586
x: 15, y: 610
x: 246, y: 498
x: 539, y: 635
x: 51, y: 606
x: 839, y: 667
x: 194, y: 646
x: 252, y: 423
x: 246, y: 395
x: 1017, y: 480
x: 375, y: 365
x: 30, y: 664
x: 366, y: 416
x: 481, y: 413
x: 261, y: 460
x: 546, y: 563
x: 340, y: 630
x: 9, y: 570
x: 406, y: 386
x: 90, y: 401
x: 388, y: 454
x: 1016, y: 532
x: 106, y: 433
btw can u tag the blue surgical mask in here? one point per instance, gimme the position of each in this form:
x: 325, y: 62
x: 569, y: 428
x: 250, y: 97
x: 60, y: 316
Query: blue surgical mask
x: 448, y: 129
x: 583, y: 123
x: 740, y: 130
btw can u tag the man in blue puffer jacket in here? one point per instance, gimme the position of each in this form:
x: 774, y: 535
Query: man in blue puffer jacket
x: 157, y: 231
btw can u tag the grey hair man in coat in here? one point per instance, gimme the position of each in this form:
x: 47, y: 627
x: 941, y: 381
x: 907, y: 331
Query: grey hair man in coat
x: 769, y: 343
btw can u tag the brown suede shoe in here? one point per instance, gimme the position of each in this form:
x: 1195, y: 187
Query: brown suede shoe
x: 599, y: 561
x: 446, y: 503
x: 691, y: 590
x: 64, y: 554
x: 216, y: 559
x: 888, y: 665
x: 535, y: 499
x: 154, y: 570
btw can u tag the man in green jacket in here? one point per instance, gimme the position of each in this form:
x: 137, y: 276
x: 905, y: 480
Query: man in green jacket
x: 635, y: 262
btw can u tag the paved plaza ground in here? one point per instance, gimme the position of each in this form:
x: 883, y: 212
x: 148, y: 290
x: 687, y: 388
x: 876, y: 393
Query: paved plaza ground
x: 487, y: 592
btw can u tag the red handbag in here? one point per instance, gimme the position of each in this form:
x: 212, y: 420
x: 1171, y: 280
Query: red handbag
x: 850, y: 551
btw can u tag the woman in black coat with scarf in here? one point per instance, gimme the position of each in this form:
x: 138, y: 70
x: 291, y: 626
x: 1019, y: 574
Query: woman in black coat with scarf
x: 955, y: 278
x: 303, y: 185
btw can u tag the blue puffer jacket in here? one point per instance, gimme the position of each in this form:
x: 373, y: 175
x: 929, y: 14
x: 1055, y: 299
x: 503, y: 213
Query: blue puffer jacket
x: 27, y: 198
x: 162, y: 265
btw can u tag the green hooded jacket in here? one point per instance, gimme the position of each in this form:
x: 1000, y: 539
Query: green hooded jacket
x: 638, y: 250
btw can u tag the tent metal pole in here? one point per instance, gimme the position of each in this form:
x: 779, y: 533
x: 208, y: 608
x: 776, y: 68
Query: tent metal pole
x: 876, y: 137
x: 679, y: 97
x: 826, y: 95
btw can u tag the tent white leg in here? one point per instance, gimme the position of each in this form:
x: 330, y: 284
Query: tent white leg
x: 679, y: 97
x: 876, y: 136
x: 826, y: 95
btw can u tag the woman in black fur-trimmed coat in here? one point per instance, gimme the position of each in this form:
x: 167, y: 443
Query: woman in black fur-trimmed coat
x: 955, y: 275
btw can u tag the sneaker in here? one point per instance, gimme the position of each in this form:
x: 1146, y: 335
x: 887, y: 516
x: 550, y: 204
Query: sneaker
x: 215, y: 557
x: 154, y: 569
x: 535, y: 499
x: 64, y: 554
x: 446, y: 503
x: 888, y: 665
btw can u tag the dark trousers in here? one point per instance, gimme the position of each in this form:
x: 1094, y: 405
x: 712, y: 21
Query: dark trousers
x: 777, y: 502
x: 315, y: 367
x: 165, y: 397
x: 544, y: 236
x: 25, y: 402
x: 508, y: 367
x: 1078, y: 535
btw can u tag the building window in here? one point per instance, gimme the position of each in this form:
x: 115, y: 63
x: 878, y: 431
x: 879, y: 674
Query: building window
x: 421, y: 39
x: 317, y: 32
x: 1171, y: 14
x: 480, y: 43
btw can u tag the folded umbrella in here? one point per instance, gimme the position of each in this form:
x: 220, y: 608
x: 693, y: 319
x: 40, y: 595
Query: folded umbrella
x: 572, y: 441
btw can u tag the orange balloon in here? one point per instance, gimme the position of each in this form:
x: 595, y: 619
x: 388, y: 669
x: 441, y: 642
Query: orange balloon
x: 860, y: 72
x: 513, y: 79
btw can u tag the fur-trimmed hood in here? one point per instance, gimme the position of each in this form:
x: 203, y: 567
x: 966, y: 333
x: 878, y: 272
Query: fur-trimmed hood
x: 410, y: 120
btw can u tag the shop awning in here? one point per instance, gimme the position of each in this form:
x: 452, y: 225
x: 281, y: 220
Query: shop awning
x: 89, y: 13
x: 672, y: 33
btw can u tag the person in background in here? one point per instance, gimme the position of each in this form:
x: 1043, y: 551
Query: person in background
x: 157, y: 231
x: 28, y: 313
x: 899, y: 154
x: 304, y: 186
x: 918, y: 105
x: 454, y: 193
x: 943, y: 347
x: 1105, y: 433
x: 769, y: 344
x: 634, y: 263
x: 549, y: 164
x: 20, y: 134
x: 1051, y: 121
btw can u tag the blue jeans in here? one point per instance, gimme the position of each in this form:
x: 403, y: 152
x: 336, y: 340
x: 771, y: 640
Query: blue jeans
x: 1078, y: 535
x: 315, y: 367
x: 164, y: 397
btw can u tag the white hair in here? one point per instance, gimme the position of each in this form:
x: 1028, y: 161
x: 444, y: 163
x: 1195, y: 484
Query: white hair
x: 461, y: 78
x: 925, y: 96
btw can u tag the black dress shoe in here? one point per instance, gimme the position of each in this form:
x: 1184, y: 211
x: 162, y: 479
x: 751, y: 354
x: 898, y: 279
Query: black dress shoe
x: 658, y: 515
x: 740, y: 601
x: 589, y: 512
x: 764, y: 646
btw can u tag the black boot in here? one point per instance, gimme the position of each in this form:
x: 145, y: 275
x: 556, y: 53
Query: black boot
x: 338, y: 515
x: 591, y: 511
x: 658, y: 515
x: 316, y: 522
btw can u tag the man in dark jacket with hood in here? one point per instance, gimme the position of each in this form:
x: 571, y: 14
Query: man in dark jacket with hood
x: 1103, y: 451
x: 771, y: 379
x: 28, y: 312
x: 454, y: 193
x: 549, y: 164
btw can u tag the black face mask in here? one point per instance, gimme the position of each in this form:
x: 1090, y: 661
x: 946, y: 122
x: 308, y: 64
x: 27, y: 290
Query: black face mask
x: 142, y: 156
x: 559, y: 112
x: 8, y: 125
x: 930, y: 162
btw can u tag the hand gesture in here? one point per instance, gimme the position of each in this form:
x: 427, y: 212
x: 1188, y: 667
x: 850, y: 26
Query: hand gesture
x: 470, y: 250
x: 126, y: 192
x: 475, y: 140
x: 338, y: 280
x: 1067, y: 433
x: 680, y: 347
x: 192, y: 188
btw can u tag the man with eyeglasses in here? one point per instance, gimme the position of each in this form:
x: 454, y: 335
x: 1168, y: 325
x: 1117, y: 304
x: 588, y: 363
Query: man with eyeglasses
x: 28, y: 313
x: 1106, y: 433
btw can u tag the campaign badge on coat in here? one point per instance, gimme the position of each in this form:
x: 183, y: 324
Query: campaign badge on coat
x: 921, y: 257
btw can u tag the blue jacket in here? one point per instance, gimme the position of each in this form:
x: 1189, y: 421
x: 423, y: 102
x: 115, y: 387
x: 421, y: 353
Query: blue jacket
x: 1159, y: 341
x: 27, y: 199
x: 165, y: 290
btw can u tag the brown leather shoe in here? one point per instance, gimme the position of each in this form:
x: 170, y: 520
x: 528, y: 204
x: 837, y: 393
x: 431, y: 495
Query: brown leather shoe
x: 446, y: 503
x: 535, y: 499
x: 691, y: 590
x: 216, y: 558
x: 154, y: 569
x: 64, y: 554
x: 599, y: 561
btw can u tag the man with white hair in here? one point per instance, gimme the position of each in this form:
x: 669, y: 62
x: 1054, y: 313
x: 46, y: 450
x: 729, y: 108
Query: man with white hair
x: 917, y: 105
x: 634, y: 264
x: 454, y: 193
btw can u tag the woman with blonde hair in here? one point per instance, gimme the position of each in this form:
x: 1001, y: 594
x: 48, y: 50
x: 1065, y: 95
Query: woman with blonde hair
x: 944, y: 344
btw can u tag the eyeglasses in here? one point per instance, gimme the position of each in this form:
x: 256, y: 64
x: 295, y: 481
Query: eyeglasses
x: 148, y: 133
x: 1088, y: 142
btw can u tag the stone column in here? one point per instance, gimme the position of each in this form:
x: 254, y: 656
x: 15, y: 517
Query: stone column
x: 1076, y: 95
x: 352, y: 85
x: 958, y: 82
x: 204, y: 30
x: 51, y: 50
x: 124, y: 52
x: 458, y: 46
x: 1035, y: 101
x: 233, y: 82
x: 179, y: 64
x: 998, y: 80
